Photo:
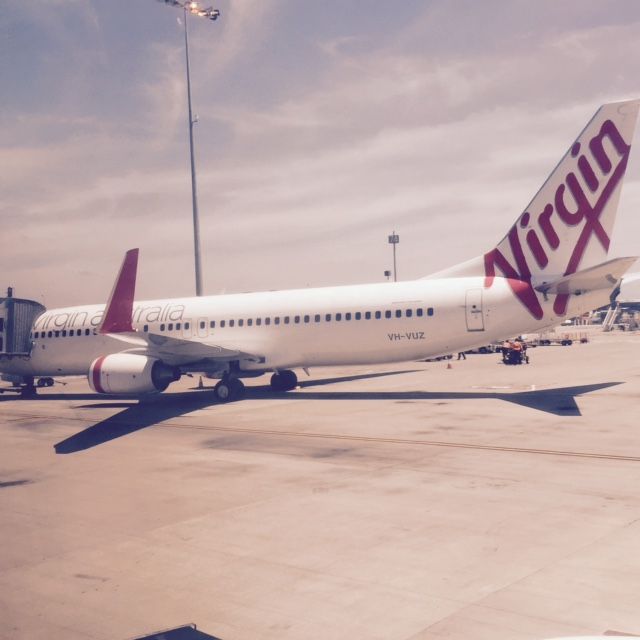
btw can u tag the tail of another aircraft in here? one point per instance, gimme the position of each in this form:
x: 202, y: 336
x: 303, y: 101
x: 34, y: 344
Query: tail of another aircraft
x: 567, y: 226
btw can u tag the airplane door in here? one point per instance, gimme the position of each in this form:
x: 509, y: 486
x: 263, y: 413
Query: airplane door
x: 202, y: 327
x: 473, y: 307
x: 187, y: 328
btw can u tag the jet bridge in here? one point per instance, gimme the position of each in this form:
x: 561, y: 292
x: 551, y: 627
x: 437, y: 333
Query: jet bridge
x: 16, y: 323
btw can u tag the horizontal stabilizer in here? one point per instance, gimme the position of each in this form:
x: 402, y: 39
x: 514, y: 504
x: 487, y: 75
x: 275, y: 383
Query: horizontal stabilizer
x: 603, y: 276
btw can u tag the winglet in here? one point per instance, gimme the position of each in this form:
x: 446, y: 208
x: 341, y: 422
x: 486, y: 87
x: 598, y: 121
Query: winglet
x: 119, y: 310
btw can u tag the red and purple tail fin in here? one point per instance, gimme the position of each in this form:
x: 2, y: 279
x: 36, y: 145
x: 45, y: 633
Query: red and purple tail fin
x: 119, y: 310
x: 567, y: 226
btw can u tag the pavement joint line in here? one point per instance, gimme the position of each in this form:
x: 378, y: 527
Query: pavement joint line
x: 381, y: 440
x: 431, y: 443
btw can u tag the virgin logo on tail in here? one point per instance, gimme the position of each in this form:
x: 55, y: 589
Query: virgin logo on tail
x: 589, y: 184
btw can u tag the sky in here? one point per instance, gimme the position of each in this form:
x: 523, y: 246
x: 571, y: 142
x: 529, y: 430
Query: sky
x: 322, y: 127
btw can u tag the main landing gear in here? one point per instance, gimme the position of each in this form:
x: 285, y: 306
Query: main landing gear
x: 284, y: 380
x: 229, y: 389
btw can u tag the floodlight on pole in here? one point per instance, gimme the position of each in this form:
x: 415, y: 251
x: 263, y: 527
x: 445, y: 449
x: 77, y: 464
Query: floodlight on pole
x: 394, y: 239
x: 195, y: 9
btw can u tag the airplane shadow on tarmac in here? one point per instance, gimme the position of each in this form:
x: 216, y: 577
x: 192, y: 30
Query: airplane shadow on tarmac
x: 143, y: 413
x: 186, y: 632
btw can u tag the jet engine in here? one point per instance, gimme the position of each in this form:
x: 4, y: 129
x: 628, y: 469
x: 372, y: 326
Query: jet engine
x: 129, y: 373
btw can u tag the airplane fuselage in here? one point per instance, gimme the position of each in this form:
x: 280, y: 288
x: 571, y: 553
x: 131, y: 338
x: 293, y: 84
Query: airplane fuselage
x: 360, y: 324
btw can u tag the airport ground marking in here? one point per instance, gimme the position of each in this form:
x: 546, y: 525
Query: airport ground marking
x: 368, y: 439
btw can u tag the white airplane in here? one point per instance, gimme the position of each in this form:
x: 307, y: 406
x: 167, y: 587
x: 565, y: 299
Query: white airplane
x: 551, y: 265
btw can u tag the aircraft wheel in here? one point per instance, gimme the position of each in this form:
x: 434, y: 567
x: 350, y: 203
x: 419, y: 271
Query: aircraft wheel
x: 284, y: 380
x: 229, y: 390
x: 237, y: 389
x: 223, y: 391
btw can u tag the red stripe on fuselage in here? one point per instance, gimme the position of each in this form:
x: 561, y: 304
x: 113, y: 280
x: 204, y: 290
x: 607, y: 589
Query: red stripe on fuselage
x: 96, y: 374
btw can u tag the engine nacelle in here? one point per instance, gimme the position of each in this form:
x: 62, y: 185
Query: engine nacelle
x: 128, y: 373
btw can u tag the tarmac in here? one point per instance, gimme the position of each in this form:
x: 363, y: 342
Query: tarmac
x: 400, y: 502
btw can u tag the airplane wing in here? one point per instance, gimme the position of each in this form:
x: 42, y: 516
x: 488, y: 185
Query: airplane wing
x: 180, y: 351
x: 174, y: 351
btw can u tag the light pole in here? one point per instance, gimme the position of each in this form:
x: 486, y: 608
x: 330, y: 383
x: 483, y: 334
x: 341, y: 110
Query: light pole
x: 394, y: 239
x: 212, y: 14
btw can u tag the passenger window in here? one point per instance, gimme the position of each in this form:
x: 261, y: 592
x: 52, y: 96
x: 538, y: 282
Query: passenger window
x: 145, y: 328
x: 430, y: 311
x: 240, y: 322
x: 306, y: 319
x: 71, y: 333
x: 267, y: 320
x: 222, y: 323
x: 358, y: 315
x: 317, y: 317
x: 387, y: 314
x: 338, y: 317
x: 367, y: 315
x: 162, y: 327
x: 409, y: 313
x: 50, y: 334
x: 57, y: 334
x: 286, y: 319
x: 258, y: 321
x: 202, y: 324
x: 378, y: 315
x: 296, y: 319
x: 186, y: 325
x: 328, y: 317
x: 419, y: 313
x: 249, y: 322
x: 212, y: 325
x: 347, y: 316
x: 398, y: 313
x: 276, y: 320
x: 170, y: 327
x: 87, y: 332
x: 177, y: 326
x: 232, y: 323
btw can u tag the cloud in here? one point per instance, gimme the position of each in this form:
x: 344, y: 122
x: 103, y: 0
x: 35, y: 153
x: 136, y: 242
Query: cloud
x: 302, y: 177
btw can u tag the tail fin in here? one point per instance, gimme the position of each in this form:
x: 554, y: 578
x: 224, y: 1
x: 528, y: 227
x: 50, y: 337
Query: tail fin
x: 567, y: 226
